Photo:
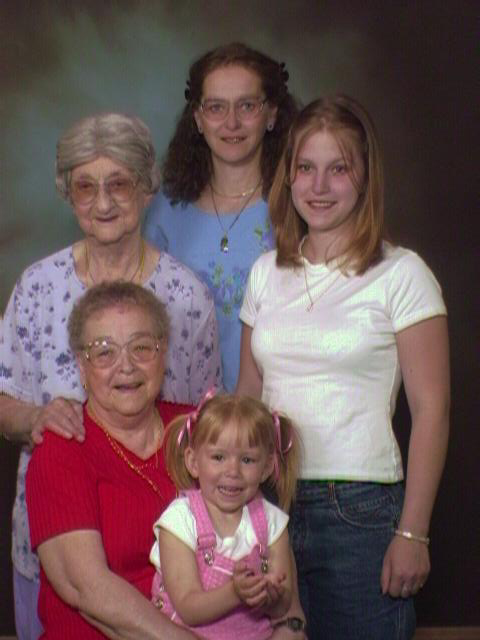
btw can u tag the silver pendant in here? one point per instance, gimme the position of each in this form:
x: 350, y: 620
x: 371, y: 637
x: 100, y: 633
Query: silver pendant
x: 224, y: 244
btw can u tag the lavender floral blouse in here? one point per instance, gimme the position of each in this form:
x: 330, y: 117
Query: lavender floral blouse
x: 36, y: 364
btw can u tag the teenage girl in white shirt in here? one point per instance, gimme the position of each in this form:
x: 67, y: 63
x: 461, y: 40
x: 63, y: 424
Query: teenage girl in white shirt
x: 334, y: 320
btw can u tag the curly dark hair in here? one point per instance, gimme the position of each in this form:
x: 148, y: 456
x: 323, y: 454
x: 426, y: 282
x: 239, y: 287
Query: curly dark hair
x: 187, y: 166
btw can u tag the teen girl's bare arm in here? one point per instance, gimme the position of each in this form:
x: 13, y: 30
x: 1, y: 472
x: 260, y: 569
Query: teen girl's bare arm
x: 424, y: 361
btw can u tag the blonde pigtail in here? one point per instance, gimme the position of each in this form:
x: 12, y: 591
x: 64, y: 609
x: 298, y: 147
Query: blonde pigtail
x: 288, y: 455
x: 174, y: 450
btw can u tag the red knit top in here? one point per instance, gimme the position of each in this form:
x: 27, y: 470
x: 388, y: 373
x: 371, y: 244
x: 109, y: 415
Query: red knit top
x: 72, y: 486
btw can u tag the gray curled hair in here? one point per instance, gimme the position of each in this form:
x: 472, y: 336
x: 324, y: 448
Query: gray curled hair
x: 122, y: 138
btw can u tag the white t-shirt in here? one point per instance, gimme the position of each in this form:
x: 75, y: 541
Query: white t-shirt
x: 179, y: 520
x: 335, y: 370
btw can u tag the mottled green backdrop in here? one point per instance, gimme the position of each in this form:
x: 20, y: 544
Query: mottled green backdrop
x: 64, y: 60
x: 410, y: 62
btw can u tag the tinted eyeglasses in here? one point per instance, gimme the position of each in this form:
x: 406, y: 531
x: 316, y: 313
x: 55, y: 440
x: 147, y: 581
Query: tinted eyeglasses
x: 120, y: 189
x: 103, y: 352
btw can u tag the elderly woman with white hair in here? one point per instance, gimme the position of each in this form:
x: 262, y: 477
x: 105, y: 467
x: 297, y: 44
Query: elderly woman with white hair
x: 106, y: 170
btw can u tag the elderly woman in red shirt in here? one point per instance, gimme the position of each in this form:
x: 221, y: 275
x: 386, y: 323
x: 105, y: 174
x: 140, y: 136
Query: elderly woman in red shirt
x: 91, y: 505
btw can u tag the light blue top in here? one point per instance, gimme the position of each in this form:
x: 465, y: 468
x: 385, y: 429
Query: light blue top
x: 193, y: 236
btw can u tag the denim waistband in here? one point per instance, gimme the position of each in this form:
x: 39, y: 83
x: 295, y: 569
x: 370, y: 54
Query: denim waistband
x: 312, y: 489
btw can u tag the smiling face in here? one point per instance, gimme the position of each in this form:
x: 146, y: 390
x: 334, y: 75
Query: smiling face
x: 104, y: 219
x: 326, y: 184
x: 128, y: 388
x: 232, y: 140
x: 229, y: 471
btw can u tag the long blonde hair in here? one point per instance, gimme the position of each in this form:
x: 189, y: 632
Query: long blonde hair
x: 351, y: 126
x: 252, y: 418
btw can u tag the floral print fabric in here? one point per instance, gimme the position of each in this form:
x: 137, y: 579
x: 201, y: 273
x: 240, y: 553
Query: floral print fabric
x: 193, y: 236
x: 36, y: 364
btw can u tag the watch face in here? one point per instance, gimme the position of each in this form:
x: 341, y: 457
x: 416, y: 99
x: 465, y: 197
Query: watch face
x: 295, y: 624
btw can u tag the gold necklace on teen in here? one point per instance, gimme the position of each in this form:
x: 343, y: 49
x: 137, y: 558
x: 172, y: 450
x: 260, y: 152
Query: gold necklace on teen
x: 224, y: 239
x: 117, y: 449
x: 313, y: 301
x: 139, y: 269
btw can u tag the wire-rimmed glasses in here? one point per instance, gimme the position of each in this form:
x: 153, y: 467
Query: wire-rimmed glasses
x: 245, y: 109
x: 103, y: 352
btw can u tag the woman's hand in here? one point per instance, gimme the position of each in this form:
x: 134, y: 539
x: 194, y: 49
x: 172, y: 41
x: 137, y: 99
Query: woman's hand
x: 424, y: 361
x: 405, y: 567
x: 61, y: 416
x: 26, y: 422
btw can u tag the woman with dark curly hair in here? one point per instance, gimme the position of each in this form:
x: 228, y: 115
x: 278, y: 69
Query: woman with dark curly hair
x: 212, y: 214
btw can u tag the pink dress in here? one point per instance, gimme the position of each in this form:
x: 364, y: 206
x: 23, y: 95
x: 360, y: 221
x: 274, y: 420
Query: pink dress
x: 214, y: 570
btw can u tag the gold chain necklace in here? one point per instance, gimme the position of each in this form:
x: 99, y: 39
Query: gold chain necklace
x: 243, y: 194
x: 139, y: 269
x: 224, y: 240
x: 116, y: 448
x: 322, y: 293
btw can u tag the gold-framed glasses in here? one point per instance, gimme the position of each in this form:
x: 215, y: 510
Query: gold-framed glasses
x: 245, y: 109
x: 103, y: 352
x: 120, y: 189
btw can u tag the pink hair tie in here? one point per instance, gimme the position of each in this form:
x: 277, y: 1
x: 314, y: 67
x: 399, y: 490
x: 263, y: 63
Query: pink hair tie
x: 193, y: 417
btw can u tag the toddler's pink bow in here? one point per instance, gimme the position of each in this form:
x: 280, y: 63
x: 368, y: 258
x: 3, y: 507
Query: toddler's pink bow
x: 193, y: 416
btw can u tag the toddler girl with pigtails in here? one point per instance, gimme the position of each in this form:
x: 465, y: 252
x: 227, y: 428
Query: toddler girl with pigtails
x: 222, y: 551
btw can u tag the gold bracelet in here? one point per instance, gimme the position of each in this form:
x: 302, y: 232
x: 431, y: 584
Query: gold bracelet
x: 411, y: 536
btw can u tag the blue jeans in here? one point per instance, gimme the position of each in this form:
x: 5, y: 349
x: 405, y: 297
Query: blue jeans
x: 340, y: 532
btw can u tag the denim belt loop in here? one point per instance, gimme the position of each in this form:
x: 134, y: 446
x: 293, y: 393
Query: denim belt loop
x: 331, y: 491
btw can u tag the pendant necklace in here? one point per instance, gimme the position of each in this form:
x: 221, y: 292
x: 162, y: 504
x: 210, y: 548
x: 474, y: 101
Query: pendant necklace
x: 139, y: 269
x: 313, y: 301
x: 224, y: 240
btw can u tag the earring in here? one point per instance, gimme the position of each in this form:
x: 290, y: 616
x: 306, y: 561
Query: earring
x: 200, y: 130
x: 270, y: 126
x: 84, y: 385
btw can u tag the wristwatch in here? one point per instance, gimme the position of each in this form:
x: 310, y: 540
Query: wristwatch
x: 294, y: 624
